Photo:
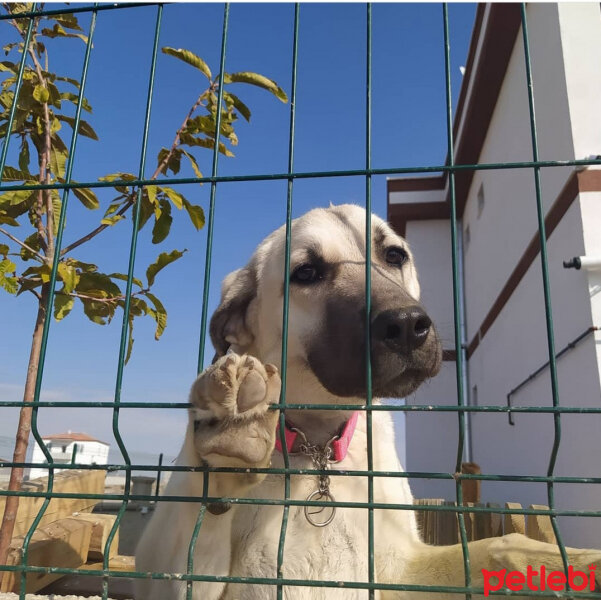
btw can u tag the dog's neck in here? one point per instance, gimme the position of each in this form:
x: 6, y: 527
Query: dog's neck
x: 319, y: 426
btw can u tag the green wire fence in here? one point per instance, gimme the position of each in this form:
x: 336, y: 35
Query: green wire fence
x: 191, y: 575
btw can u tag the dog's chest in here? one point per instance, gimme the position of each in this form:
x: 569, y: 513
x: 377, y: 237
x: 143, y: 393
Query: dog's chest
x: 336, y: 552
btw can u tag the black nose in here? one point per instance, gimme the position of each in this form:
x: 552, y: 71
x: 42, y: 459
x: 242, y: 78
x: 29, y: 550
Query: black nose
x: 402, y: 330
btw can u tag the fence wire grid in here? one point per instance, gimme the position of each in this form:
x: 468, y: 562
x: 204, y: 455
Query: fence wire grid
x: 290, y: 176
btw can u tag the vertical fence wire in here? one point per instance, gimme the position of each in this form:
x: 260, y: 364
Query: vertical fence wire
x: 13, y: 106
x: 211, y: 219
x: 546, y: 289
x: 368, y: 373
x: 207, y: 282
x: 49, y: 304
x: 456, y: 306
x: 286, y: 306
x: 126, y: 308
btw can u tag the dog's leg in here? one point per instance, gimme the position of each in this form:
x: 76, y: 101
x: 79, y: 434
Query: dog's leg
x: 443, y: 565
x: 230, y: 426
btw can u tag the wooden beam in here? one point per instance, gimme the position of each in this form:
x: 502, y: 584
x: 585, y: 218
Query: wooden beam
x: 101, y: 527
x: 77, y: 482
x: 64, y: 543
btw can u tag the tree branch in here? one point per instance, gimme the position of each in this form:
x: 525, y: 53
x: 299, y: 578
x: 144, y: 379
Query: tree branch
x: 156, y: 173
x: 41, y: 258
x: 98, y: 229
x: 105, y: 300
x: 44, y: 171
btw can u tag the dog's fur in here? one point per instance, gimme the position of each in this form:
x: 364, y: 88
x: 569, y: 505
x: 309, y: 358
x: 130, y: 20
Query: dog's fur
x: 230, y: 425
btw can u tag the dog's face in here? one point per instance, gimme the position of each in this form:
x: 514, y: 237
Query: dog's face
x: 327, y: 329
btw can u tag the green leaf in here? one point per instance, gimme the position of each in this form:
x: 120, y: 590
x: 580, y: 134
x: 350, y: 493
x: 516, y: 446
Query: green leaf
x: 7, y: 281
x: 9, y: 47
x: 97, y: 312
x: 151, y: 193
x: 190, y: 140
x: 238, y: 105
x: 12, y: 174
x: 190, y: 58
x: 130, y: 341
x: 58, y: 31
x: 15, y: 197
x: 86, y: 196
x: 28, y: 284
x: 118, y: 176
x: 71, y: 97
x: 7, y: 219
x: 174, y: 161
x: 41, y: 94
x: 123, y: 277
x: 33, y: 241
x: 57, y: 206
x: 193, y: 163
x: 99, y: 285
x: 24, y: 156
x: 8, y: 67
x: 42, y: 272
x: 175, y: 197
x: 159, y: 314
x: 62, y: 305
x: 258, y: 80
x: 55, y: 95
x: 162, y: 225
x: 67, y: 20
x: 69, y: 277
x: 162, y: 261
x: 112, y: 220
x: 84, y: 127
x: 197, y: 215
x: 58, y: 160
x: 4, y: 250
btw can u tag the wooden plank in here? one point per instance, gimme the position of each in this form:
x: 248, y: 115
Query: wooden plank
x: 80, y: 482
x: 538, y: 527
x: 514, y: 523
x: 120, y: 562
x: 470, y: 487
x: 496, y: 523
x: 101, y: 527
x: 64, y: 543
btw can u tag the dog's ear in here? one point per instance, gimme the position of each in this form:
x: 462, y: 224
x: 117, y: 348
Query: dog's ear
x: 228, y: 324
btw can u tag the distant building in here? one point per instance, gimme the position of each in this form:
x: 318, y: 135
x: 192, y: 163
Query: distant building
x: 70, y: 447
x: 505, y: 339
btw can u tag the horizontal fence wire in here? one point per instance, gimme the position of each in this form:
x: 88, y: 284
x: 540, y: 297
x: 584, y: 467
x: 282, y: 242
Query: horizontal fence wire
x: 310, y: 174
x: 461, y: 409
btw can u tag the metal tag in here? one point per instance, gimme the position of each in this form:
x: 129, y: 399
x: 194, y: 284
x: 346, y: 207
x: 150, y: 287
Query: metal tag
x: 326, y: 512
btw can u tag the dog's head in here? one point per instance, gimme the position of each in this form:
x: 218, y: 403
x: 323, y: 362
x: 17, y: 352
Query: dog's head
x: 327, y: 315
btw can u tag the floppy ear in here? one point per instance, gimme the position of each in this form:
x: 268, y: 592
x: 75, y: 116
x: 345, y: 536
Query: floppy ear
x: 228, y: 324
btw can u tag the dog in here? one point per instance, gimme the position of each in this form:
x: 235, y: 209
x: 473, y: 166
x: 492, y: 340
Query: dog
x: 231, y: 425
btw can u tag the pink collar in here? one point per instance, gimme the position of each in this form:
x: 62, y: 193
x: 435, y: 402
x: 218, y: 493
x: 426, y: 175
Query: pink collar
x: 339, y: 446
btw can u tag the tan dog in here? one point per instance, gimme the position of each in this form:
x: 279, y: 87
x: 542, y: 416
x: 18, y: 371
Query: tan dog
x: 230, y: 425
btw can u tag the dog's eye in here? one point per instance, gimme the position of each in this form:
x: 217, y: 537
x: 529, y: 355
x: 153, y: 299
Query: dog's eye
x: 396, y: 256
x: 305, y: 274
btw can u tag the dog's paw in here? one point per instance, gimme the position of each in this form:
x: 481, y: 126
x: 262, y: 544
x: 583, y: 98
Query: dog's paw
x: 232, y: 421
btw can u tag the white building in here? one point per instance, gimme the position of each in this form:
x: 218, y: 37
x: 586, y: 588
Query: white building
x: 70, y: 447
x: 505, y: 330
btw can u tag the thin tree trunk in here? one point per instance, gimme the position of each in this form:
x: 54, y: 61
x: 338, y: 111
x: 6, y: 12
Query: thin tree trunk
x: 23, y: 431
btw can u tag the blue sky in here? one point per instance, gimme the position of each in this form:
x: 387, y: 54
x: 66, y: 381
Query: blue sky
x: 409, y: 129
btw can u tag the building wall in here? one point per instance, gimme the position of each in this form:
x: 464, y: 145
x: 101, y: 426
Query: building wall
x: 88, y: 453
x: 516, y: 344
x: 563, y: 39
x: 431, y: 437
